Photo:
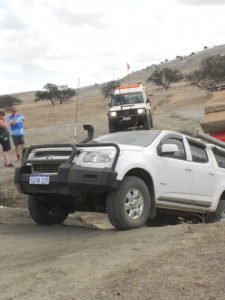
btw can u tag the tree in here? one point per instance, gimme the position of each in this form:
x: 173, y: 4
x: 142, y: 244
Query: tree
x: 7, y: 101
x: 109, y: 87
x: 55, y: 93
x: 164, y: 77
x: 65, y: 93
x: 212, y: 68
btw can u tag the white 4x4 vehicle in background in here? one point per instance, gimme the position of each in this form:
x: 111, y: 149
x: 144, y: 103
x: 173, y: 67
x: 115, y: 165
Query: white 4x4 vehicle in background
x: 130, y: 175
x: 130, y: 107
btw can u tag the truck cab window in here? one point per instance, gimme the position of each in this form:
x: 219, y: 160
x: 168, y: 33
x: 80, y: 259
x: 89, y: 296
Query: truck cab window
x: 129, y: 98
x: 220, y: 157
x: 198, y: 153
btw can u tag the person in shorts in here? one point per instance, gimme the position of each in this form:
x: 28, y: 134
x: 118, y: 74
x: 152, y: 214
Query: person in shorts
x: 5, y: 140
x: 16, y: 122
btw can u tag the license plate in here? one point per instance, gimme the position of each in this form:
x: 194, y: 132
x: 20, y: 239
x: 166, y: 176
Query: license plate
x: 39, y: 179
x: 126, y: 118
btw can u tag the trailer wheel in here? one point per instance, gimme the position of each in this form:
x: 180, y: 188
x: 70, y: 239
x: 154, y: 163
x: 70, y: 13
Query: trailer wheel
x: 218, y: 215
x: 46, y: 213
x: 129, y: 205
x: 112, y: 127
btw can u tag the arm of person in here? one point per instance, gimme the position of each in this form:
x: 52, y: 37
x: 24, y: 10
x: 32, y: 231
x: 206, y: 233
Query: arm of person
x: 13, y: 121
x: 23, y: 120
x: 3, y: 123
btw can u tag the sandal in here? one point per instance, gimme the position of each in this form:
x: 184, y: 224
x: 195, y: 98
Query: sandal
x: 9, y: 165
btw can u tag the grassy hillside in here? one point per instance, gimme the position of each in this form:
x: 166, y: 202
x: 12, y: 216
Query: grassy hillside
x: 180, y: 108
x: 185, y: 65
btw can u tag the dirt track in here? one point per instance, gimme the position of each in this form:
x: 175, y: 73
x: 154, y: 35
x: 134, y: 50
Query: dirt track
x: 75, y: 261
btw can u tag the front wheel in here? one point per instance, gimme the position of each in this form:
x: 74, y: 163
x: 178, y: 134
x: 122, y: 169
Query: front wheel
x: 46, y: 213
x: 219, y: 214
x: 129, y: 206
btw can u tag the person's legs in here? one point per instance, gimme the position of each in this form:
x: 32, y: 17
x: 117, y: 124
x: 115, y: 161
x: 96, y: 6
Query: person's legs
x: 19, y: 145
x: 21, y: 148
x: 17, y: 152
x: 16, y: 141
x: 5, y: 158
x: 6, y: 147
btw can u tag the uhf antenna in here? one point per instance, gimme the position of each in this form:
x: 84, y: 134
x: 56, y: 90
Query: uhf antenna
x: 76, y: 116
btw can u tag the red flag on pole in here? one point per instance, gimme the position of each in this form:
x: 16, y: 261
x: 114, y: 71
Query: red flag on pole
x: 128, y: 66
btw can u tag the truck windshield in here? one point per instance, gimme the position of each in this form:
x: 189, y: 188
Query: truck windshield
x: 129, y: 98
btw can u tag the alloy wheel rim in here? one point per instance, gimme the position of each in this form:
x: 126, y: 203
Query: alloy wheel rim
x: 134, y: 204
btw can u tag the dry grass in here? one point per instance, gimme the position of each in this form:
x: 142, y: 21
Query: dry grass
x: 43, y: 114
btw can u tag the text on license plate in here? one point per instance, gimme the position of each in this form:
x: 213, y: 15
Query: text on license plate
x: 126, y: 118
x: 39, y: 179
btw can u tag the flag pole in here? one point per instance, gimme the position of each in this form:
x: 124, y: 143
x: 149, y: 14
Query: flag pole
x: 128, y: 79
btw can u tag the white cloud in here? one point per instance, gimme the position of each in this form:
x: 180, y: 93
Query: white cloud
x: 80, y: 19
x: 62, y: 40
x: 202, y: 2
x: 9, y: 20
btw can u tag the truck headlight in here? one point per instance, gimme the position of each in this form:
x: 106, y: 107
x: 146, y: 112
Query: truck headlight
x: 105, y: 156
x: 112, y: 114
x: 141, y: 111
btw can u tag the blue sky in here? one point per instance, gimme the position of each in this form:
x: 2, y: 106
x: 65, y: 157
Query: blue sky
x: 62, y: 41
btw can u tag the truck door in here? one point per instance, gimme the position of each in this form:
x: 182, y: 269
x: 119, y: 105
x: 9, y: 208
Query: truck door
x: 204, y: 175
x: 174, y: 175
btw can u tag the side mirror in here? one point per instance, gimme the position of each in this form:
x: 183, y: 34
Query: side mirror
x: 168, y: 149
x: 110, y: 104
x: 148, y: 101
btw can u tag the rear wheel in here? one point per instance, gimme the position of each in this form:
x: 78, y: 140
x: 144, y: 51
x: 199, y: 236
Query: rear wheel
x: 129, y: 206
x: 147, y: 124
x: 112, y: 127
x: 46, y: 213
x: 151, y: 120
x: 219, y: 214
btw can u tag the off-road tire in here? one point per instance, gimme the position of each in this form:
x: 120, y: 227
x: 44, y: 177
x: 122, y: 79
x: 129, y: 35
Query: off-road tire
x: 115, y: 204
x: 151, y: 120
x: 147, y: 123
x: 112, y: 127
x: 218, y: 214
x: 46, y: 213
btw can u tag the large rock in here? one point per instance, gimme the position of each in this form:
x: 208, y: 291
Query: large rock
x: 213, y: 122
x: 214, y: 118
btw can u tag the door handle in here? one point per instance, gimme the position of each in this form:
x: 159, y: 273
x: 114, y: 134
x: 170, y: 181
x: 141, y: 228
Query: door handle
x: 188, y: 169
x: 211, y: 173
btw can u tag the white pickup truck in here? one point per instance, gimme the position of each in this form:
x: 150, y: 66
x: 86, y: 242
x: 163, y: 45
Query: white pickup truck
x: 130, y: 175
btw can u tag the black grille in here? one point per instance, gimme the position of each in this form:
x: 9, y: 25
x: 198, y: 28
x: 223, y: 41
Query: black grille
x: 127, y: 112
x: 46, y: 168
x: 53, y: 153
